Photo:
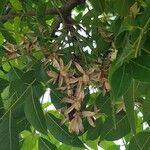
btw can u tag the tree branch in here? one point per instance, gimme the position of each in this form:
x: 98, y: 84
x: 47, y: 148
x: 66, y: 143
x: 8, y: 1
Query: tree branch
x: 28, y: 14
x: 64, y: 10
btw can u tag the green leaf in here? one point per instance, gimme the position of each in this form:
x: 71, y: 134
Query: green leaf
x: 103, y: 103
x: 110, y: 133
x: 113, y: 147
x: 129, y: 98
x: 8, y: 135
x: 141, y: 141
x: 56, y: 97
x: 30, y: 142
x: 3, y: 84
x: 8, y: 36
x: 98, y: 5
x: 16, y: 4
x: 41, y: 13
x: 146, y: 108
x: 1, y: 39
x: 94, y: 133
x: 140, y: 68
x: 34, y: 112
x: 60, y: 132
x: 1, y: 108
x: 120, y: 81
x: 2, y: 5
x: 14, y: 73
x: 46, y: 145
x: 28, y: 77
x: 40, y: 73
x: 18, y: 94
x: 106, y: 144
x: 122, y: 7
x: 22, y: 124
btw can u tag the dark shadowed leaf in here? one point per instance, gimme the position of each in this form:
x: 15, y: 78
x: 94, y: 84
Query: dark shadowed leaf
x: 8, y: 135
x: 41, y: 13
x: 2, y: 5
x: 3, y: 84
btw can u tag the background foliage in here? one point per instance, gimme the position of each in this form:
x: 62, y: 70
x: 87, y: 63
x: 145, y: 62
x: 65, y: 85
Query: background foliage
x: 38, y: 38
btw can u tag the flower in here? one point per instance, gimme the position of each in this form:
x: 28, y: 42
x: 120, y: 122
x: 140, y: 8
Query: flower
x: 63, y: 74
x: 11, y: 50
x: 90, y: 117
x: 76, y: 124
x: 74, y: 101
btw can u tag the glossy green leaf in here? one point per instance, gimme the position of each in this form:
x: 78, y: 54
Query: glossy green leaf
x: 141, y: 141
x: 34, y: 112
x: 16, y: 4
x: 120, y: 81
x: 140, y: 68
x: 129, y: 99
x: 110, y: 133
x: 8, y: 135
x: 46, y: 145
x: 56, y: 129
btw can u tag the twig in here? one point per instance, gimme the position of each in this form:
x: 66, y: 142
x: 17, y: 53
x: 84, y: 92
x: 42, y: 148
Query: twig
x: 63, y: 12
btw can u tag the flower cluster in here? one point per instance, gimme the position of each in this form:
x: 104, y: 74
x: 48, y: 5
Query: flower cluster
x: 73, y: 79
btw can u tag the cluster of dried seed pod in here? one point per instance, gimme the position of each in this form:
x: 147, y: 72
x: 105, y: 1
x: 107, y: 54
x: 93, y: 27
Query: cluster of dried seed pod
x: 72, y: 79
x: 12, y: 51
